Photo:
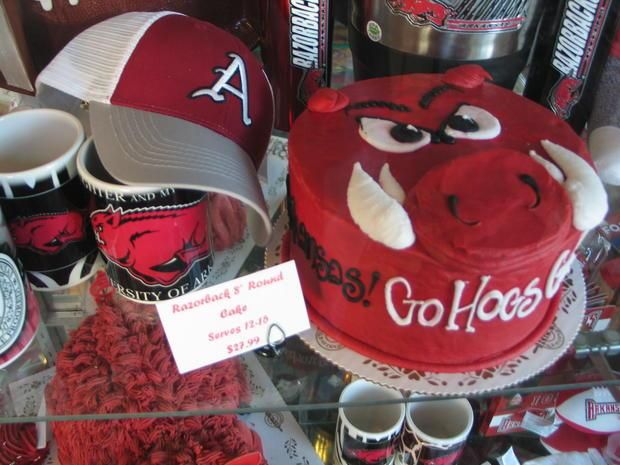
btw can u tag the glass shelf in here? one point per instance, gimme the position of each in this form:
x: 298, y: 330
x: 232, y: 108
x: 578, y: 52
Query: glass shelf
x: 299, y: 379
x: 307, y: 383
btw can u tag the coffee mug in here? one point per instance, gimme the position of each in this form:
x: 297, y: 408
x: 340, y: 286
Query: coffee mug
x: 368, y: 434
x: 156, y: 241
x: 19, y: 310
x: 42, y: 197
x: 435, y: 432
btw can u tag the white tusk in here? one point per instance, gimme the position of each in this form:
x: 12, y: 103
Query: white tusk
x: 583, y: 186
x: 553, y: 170
x: 377, y: 214
x: 390, y: 185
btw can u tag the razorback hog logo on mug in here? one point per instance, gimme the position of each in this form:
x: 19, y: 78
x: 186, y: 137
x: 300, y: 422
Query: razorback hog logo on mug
x: 128, y: 237
x: 48, y: 234
x: 156, y: 240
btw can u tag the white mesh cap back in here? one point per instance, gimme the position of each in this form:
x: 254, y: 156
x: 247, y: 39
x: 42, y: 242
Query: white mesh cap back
x: 90, y: 66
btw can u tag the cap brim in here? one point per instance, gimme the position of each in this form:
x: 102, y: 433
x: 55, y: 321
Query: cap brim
x: 144, y: 148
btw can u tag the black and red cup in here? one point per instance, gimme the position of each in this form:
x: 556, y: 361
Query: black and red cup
x: 42, y: 198
x: 156, y: 240
x: 435, y: 432
x: 368, y: 433
x: 20, y: 317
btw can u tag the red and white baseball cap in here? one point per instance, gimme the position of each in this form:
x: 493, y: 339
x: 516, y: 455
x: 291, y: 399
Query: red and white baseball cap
x: 173, y: 102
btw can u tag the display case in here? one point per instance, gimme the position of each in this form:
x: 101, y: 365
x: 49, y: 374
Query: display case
x: 289, y: 392
x: 295, y: 388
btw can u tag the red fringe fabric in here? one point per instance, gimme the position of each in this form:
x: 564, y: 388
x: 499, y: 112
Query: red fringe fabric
x: 18, y: 445
x: 118, y: 361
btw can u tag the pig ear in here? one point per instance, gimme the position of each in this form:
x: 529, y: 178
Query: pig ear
x: 326, y: 100
x: 466, y: 76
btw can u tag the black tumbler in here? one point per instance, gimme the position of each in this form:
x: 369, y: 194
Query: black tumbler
x: 389, y: 37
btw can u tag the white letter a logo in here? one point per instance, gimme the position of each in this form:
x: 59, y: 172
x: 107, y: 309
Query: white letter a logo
x: 223, y: 85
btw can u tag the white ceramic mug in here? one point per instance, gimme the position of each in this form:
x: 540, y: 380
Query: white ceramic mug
x: 19, y: 311
x: 435, y: 431
x: 368, y: 434
x: 43, y: 199
x: 156, y: 240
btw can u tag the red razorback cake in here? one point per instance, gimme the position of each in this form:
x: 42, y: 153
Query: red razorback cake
x: 434, y: 216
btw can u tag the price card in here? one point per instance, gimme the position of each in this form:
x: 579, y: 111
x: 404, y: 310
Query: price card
x: 238, y: 316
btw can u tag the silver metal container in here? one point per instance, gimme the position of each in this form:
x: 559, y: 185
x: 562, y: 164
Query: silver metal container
x: 400, y: 36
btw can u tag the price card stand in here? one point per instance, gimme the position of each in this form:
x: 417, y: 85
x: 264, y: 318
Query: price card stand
x: 238, y: 316
x: 276, y: 339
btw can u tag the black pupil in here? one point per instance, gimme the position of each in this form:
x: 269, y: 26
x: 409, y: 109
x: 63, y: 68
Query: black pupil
x: 406, y: 133
x: 463, y: 123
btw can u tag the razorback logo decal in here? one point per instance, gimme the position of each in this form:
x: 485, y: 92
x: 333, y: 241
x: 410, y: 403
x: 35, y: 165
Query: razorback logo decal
x: 422, y: 11
x: 462, y: 15
x: 48, y: 234
x: 448, y: 459
x: 156, y: 245
x: 368, y: 456
x: 564, y: 95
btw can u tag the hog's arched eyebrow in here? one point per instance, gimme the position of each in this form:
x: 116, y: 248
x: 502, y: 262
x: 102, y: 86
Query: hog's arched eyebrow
x: 435, y: 92
x: 378, y: 104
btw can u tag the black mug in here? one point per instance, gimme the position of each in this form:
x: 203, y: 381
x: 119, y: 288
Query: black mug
x: 42, y: 198
x: 156, y: 241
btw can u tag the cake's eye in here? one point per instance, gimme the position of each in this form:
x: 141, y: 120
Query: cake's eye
x: 390, y: 136
x: 470, y: 122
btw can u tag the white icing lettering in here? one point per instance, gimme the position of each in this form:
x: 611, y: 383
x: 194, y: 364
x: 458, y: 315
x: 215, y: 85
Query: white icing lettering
x: 439, y: 311
x: 560, y: 269
x: 493, y: 295
x: 390, y: 305
x: 485, y: 306
x: 532, y: 297
x: 455, y: 310
x: 513, y: 299
x: 424, y: 305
